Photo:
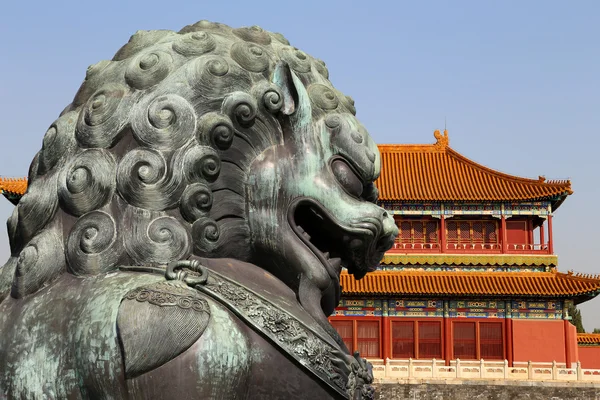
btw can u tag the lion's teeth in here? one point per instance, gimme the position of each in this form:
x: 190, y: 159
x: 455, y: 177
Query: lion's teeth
x: 306, y: 235
x: 300, y: 229
x: 326, y: 254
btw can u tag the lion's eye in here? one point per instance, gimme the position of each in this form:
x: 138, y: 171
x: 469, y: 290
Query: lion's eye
x: 347, y: 178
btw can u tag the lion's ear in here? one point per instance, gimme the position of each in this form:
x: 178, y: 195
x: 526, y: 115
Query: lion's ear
x: 295, y: 97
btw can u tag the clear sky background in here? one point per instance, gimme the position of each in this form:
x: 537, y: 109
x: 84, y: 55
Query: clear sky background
x: 518, y: 82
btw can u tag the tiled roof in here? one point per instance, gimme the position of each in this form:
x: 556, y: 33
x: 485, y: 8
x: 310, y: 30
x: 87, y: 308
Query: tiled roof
x: 588, y: 338
x: 13, y: 188
x: 544, y: 284
x: 13, y: 185
x: 435, y: 172
x: 391, y: 258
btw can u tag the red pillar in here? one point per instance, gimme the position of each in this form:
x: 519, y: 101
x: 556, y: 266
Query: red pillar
x: 504, y: 237
x: 386, y: 338
x: 447, y: 340
x: 550, y: 241
x: 443, y: 234
x: 509, y: 341
x: 542, y: 238
x: 569, y: 357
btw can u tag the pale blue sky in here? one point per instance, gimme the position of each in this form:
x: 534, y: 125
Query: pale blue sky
x: 517, y: 81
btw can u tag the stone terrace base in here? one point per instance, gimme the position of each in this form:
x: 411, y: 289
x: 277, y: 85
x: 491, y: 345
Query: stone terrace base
x: 485, y: 390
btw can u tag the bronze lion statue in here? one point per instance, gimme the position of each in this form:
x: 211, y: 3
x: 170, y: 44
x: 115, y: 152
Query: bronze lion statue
x: 185, y: 225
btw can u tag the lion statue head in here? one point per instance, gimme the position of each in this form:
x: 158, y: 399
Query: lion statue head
x: 214, y: 142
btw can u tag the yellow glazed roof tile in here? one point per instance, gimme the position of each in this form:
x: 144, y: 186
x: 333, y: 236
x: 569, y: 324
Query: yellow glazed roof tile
x: 17, y: 186
x: 471, y: 283
x: 435, y: 172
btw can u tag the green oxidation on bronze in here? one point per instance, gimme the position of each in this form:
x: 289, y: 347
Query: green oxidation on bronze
x: 88, y: 310
x: 223, y: 338
x: 207, y: 150
x: 6, y: 276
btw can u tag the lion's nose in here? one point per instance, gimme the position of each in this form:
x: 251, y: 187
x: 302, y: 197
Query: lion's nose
x: 389, y: 225
x: 389, y: 233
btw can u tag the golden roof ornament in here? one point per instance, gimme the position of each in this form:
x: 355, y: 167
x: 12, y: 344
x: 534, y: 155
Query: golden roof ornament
x: 441, y: 140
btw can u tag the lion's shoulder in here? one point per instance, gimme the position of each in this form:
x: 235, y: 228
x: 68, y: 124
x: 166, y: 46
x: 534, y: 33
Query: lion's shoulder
x: 158, y: 322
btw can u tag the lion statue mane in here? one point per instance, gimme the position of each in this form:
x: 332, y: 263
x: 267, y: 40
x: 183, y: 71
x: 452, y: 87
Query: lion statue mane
x: 224, y: 146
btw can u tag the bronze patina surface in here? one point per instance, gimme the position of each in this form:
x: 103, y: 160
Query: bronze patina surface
x: 185, y: 225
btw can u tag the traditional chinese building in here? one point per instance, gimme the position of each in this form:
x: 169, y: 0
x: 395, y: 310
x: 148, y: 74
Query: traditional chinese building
x: 473, y: 274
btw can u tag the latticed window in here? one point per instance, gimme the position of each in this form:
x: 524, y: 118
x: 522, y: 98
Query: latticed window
x: 473, y: 340
x: 472, y: 232
x: 418, y: 231
x: 477, y: 229
x: 366, y: 334
x: 416, y: 339
x: 491, y: 232
x: 465, y: 343
x: 403, y: 339
x: 490, y: 341
x: 430, y: 339
x: 367, y: 338
x: 346, y: 331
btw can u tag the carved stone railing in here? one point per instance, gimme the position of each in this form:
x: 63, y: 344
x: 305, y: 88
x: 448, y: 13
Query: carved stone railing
x: 464, y: 370
x: 478, y: 248
x: 473, y: 248
x: 528, y: 248
x: 417, y: 247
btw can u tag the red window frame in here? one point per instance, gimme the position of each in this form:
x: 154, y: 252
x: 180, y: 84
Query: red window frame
x: 424, y: 231
x: 486, y: 345
x: 404, y: 341
x: 421, y: 339
x: 367, y: 345
x: 429, y: 339
x: 491, y: 340
x: 358, y: 342
x: 464, y: 345
x: 348, y: 340
x: 466, y: 231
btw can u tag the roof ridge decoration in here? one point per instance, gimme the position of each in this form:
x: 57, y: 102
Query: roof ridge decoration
x: 441, y: 140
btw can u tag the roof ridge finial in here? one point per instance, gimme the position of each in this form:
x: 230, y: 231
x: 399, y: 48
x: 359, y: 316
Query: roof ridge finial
x: 441, y: 140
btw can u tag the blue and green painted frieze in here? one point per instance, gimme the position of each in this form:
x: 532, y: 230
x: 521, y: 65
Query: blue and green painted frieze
x: 438, y: 308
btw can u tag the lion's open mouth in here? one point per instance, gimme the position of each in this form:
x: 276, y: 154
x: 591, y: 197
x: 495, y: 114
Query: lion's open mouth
x: 335, y: 246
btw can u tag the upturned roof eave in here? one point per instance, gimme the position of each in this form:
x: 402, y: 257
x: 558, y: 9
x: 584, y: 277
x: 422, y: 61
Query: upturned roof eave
x: 520, y: 189
x: 552, y: 284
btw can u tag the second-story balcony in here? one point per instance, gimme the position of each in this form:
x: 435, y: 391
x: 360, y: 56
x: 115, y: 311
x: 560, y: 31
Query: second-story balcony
x: 471, y: 236
x: 480, y: 248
